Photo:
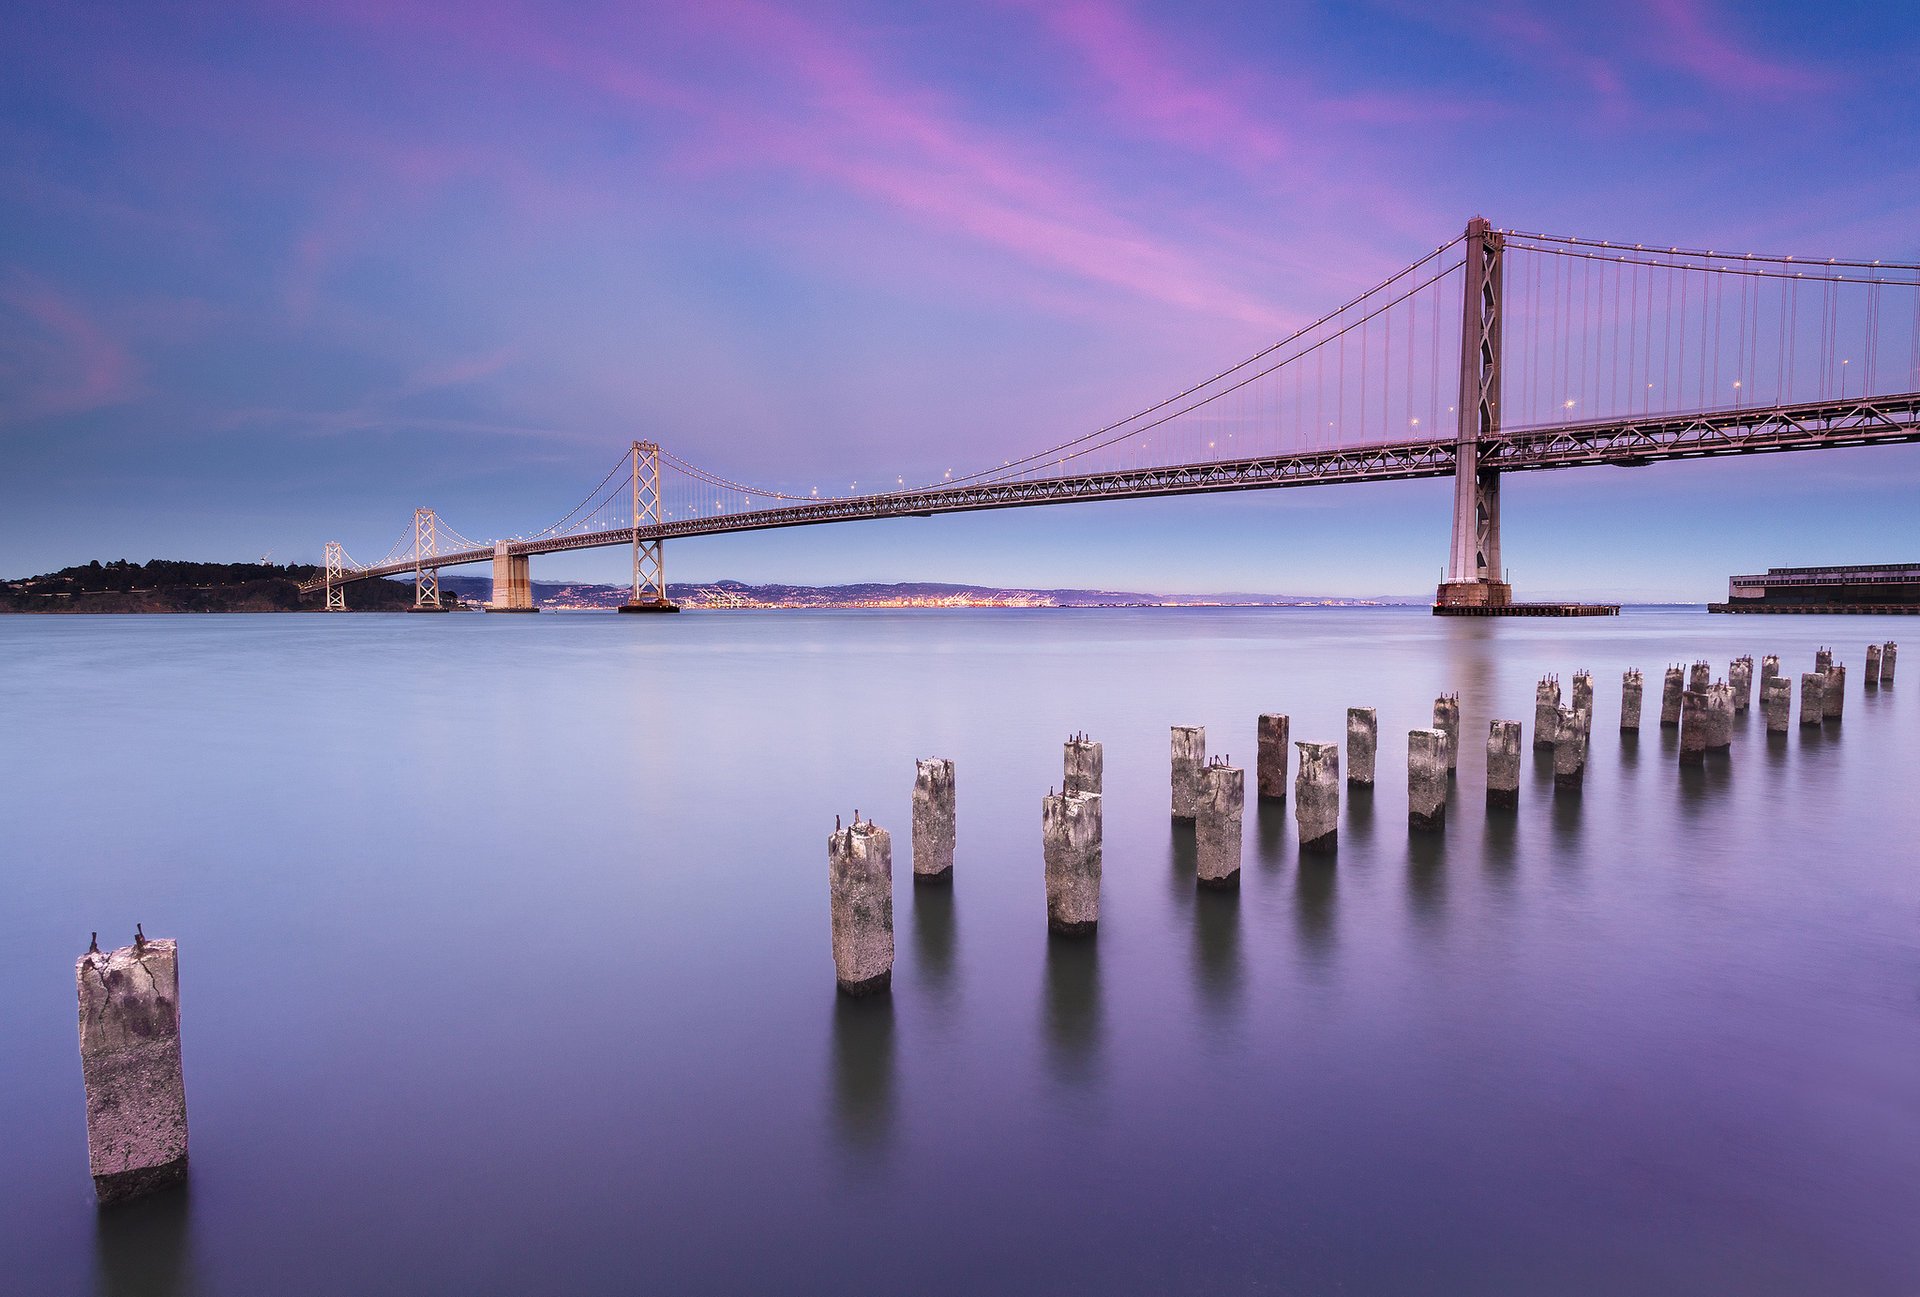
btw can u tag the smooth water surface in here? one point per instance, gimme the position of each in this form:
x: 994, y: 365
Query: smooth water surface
x: 505, y: 964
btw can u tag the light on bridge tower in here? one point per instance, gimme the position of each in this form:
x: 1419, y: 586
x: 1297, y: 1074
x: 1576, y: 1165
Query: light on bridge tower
x: 1473, y: 563
x: 649, y: 559
x: 426, y: 575
x: 336, y: 577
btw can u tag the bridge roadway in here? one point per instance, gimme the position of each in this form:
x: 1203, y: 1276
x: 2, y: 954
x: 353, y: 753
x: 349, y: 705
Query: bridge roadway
x: 1814, y: 425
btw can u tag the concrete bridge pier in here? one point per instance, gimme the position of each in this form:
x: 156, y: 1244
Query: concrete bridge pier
x: 1363, y: 744
x: 1189, y: 751
x: 1427, y: 780
x: 1271, y: 759
x: 1670, y: 691
x: 1776, y: 703
x: 1217, y: 829
x: 512, y: 581
x: 1070, y: 846
x: 933, y: 821
x: 1085, y: 766
x: 860, y: 879
x: 1503, y: 764
x: 1630, y: 697
x: 130, y: 1062
x: 1316, y: 797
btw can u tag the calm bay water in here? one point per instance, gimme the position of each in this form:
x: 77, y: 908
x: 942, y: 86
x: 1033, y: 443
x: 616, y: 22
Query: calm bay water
x: 505, y: 965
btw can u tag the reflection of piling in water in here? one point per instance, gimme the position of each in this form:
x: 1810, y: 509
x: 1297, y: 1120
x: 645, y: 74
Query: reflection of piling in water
x: 1073, y: 1004
x: 1316, y: 797
x: 1776, y: 703
x: 860, y: 874
x: 1085, y: 763
x: 1070, y: 831
x: 1670, y: 690
x: 1719, y: 716
x: 1446, y: 719
x: 1693, y: 727
x: 1270, y: 769
x: 863, y: 1065
x: 1218, y: 826
x: 1740, y: 676
x: 1570, y: 749
x: 933, y: 821
x: 1426, y: 780
x: 130, y: 1063
x: 1813, y: 698
x: 1833, y: 694
x: 1871, y: 676
x: 1363, y: 743
x: 1546, y: 711
x: 1888, y: 652
x: 1630, y: 691
x: 1503, y: 764
x: 1189, y: 760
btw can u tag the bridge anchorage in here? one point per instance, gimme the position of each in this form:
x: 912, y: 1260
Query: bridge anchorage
x: 1570, y: 353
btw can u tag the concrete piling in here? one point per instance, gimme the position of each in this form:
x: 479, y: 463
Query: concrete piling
x: 1189, y: 762
x: 1776, y: 703
x: 1699, y: 676
x: 1693, y: 727
x: 1546, y: 711
x: 1769, y: 668
x: 1503, y: 764
x: 1630, y: 689
x: 1719, y: 716
x: 1740, y: 676
x: 1446, y: 719
x: 1670, y: 690
x: 1363, y: 742
x: 1085, y: 766
x: 1833, y: 695
x: 1872, y: 676
x: 1427, y: 779
x: 1570, y: 749
x: 1822, y: 659
x: 1316, y: 797
x: 860, y: 876
x: 1583, y: 691
x: 1813, y: 698
x: 1217, y: 828
x: 1070, y: 831
x: 130, y: 1062
x: 1271, y: 759
x: 1888, y: 651
x: 933, y: 821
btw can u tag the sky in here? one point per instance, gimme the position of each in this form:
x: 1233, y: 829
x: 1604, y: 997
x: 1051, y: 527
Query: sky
x: 276, y: 274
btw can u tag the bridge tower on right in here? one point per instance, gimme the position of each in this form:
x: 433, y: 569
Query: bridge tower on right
x: 1473, y: 562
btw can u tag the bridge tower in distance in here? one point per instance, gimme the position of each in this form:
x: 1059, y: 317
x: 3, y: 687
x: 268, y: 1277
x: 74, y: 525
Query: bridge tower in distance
x: 649, y: 558
x: 1473, y: 563
x: 426, y: 544
x: 336, y: 572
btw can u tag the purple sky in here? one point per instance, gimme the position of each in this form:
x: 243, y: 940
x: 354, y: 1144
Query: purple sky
x: 276, y: 274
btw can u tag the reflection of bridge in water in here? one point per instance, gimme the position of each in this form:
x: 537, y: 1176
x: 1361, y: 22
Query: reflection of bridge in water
x: 1498, y: 352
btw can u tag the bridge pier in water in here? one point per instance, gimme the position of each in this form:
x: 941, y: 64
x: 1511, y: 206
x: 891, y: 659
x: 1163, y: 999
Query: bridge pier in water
x: 512, y: 581
x: 649, y: 553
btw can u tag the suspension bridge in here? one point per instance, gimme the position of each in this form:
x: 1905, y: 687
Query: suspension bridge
x: 1498, y: 352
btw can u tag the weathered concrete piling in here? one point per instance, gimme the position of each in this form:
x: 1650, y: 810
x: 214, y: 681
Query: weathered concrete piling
x: 1700, y: 675
x: 933, y: 821
x: 1740, y: 676
x: 1833, y: 695
x: 1693, y: 727
x: 1822, y: 659
x: 1871, y: 677
x: 1813, y: 698
x: 1363, y: 743
x: 1888, y: 652
x: 130, y: 1061
x: 860, y: 874
x: 1217, y: 829
x: 1769, y: 669
x: 1719, y: 716
x: 1670, y: 690
x: 1189, y: 761
x: 1776, y: 703
x: 1271, y: 759
x: 1427, y: 779
x: 1583, y: 692
x: 1630, y: 689
x: 1070, y: 846
x: 1316, y: 797
x: 1546, y: 711
x: 1570, y: 749
x: 1446, y: 719
x: 1085, y: 766
x: 1503, y: 764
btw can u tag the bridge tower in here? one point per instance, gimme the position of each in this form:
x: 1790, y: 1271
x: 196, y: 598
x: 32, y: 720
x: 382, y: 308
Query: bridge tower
x: 336, y: 571
x: 1473, y: 563
x: 649, y: 559
x: 426, y: 579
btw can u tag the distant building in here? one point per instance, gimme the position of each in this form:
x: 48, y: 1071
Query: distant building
x: 1869, y: 588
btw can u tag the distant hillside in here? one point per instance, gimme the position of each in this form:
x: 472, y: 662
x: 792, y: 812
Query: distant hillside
x: 166, y: 586
x: 902, y: 594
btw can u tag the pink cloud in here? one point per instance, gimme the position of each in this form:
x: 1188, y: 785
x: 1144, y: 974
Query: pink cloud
x: 55, y: 358
x: 1696, y: 41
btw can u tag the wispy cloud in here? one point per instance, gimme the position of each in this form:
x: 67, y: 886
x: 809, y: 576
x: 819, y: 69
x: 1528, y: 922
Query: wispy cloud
x: 56, y: 358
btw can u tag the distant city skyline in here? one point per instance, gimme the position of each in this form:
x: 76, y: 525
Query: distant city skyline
x: 276, y: 274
